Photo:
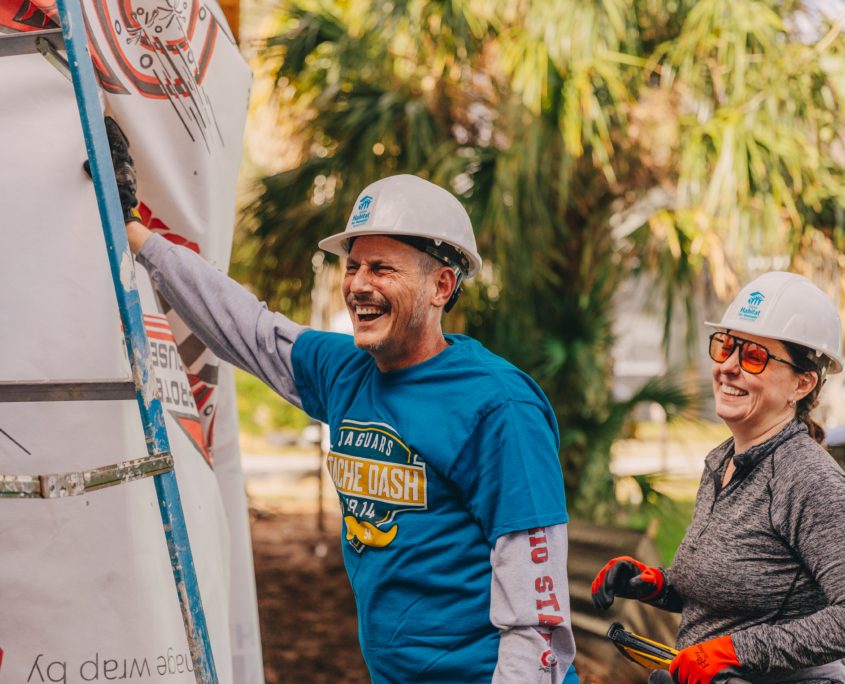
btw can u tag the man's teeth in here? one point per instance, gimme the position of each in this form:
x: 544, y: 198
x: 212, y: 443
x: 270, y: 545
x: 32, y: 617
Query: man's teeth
x: 367, y: 310
x: 733, y: 391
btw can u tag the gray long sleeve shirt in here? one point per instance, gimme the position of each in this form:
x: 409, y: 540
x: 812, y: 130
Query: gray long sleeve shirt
x: 764, y: 557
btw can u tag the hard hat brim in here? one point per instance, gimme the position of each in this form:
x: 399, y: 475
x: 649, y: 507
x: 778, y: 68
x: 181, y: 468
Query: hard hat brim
x: 334, y: 244
x: 835, y: 361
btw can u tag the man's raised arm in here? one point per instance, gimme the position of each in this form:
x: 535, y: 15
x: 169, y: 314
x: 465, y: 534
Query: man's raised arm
x: 220, y: 312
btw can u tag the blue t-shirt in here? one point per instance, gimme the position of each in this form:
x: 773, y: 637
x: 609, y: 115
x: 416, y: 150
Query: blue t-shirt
x: 432, y: 463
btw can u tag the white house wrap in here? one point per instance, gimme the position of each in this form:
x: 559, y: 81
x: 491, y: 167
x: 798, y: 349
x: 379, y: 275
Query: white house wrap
x: 85, y: 581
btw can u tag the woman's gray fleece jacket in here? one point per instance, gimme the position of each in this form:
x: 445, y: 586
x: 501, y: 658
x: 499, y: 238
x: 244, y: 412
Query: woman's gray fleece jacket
x: 764, y: 558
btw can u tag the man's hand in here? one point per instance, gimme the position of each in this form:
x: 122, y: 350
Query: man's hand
x: 709, y: 661
x: 627, y: 577
x: 124, y: 169
x: 127, y: 184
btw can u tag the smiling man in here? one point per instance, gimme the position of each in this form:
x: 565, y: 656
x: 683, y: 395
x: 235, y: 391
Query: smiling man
x: 444, y: 455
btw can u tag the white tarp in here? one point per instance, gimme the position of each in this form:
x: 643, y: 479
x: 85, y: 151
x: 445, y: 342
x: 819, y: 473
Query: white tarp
x: 85, y: 581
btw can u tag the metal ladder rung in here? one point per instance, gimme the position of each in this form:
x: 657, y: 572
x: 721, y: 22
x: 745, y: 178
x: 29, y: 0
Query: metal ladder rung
x: 67, y: 390
x: 60, y: 485
x: 25, y: 42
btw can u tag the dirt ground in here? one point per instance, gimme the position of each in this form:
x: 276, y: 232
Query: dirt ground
x: 305, y: 603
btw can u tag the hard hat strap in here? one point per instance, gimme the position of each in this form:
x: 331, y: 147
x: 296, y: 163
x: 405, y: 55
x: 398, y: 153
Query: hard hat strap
x: 456, y: 292
x: 443, y: 252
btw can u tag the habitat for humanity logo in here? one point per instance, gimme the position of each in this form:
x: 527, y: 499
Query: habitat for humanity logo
x: 362, y: 211
x: 751, y: 311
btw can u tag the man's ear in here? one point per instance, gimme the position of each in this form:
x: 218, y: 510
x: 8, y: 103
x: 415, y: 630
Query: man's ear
x: 445, y: 282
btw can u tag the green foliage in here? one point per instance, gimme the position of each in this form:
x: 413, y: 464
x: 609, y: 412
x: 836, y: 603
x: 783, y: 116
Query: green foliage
x: 668, y: 518
x: 673, y: 518
x: 260, y: 411
x: 592, y: 439
x: 588, y: 141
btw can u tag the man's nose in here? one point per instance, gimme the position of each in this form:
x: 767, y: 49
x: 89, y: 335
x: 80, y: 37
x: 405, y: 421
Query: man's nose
x: 360, y: 281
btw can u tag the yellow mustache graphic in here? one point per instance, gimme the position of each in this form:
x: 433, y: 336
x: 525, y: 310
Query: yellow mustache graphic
x: 368, y: 534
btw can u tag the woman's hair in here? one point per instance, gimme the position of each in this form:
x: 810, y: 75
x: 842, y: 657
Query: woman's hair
x: 806, y: 359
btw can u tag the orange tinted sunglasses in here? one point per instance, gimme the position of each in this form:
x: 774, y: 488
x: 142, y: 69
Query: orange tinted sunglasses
x: 753, y: 356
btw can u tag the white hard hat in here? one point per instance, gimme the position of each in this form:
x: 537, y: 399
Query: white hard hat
x: 787, y: 307
x: 408, y: 206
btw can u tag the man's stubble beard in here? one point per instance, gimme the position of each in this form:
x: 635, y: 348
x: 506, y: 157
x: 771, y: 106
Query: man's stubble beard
x: 417, y: 321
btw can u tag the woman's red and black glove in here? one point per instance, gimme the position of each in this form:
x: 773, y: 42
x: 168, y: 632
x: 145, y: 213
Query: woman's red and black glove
x: 627, y: 577
x: 709, y: 661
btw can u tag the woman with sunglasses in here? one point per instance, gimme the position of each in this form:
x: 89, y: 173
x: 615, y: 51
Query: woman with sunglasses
x: 759, y: 578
